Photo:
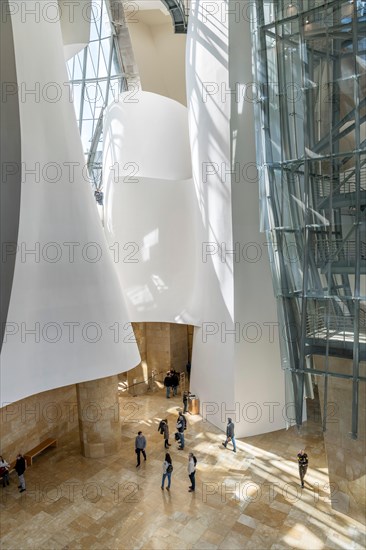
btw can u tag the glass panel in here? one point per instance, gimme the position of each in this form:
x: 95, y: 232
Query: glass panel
x: 96, y: 83
x: 310, y: 64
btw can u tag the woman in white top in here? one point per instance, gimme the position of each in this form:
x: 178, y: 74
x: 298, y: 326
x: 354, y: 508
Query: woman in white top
x: 167, y: 471
x: 192, y: 461
x: 4, y: 471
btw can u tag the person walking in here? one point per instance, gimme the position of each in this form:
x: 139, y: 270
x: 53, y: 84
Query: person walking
x: 166, y: 433
x: 4, y: 471
x: 140, y: 446
x: 180, y: 430
x: 303, y: 461
x: 192, y: 461
x: 230, y: 435
x: 167, y: 471
x: 20, y: 467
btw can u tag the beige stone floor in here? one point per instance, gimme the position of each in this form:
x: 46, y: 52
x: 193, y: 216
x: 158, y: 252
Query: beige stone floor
x: 251, y: 499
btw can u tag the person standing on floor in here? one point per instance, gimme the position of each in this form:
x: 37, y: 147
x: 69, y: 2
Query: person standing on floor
x: 166, y: 433
x: 168, y: 384
x: 167, y: 471
x: 175, y: 382
x: 140, y: 446
x: 303, y: 461
x: 186, y: 395
x: 230, y: 435
x: 180, y: 430
x: 192, y: 461
x: 188, y: 369
x: 20, y: 467
x: 4, y: 471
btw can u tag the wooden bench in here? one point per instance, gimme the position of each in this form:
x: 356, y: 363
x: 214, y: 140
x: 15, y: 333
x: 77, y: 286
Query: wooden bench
x: 37, y: 450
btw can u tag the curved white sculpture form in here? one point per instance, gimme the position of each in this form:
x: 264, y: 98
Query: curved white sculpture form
x: 147, y: 135
x: 150, y: 207
x: 67, y: 321
x: 236, y: 368
x: 76, y: 18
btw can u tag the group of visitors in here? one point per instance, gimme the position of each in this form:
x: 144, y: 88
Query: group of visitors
x: 168, y: 470
x: 181, y: 425
x: 171, y: 382
x: 163, y: 428
x: 20, y: 467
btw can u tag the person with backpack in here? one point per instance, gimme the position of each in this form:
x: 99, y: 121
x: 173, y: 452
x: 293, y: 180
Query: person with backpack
x: 180, y: 430
x: 192, y: 461
x: 167, y: 471
x: 166, y: 434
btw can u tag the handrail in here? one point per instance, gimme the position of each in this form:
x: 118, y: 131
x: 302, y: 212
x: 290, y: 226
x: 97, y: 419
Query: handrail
x: 179, y: 11
x: 152, y: 379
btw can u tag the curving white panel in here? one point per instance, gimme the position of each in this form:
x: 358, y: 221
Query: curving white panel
x: 236, y: 363
x: 150, y: 221
x: 67, y: 321
x: 75, y: 18
x: 147, y: 135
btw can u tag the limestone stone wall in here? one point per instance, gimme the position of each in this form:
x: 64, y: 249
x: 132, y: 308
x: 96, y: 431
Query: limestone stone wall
x: 99, y: 418
x: 158, y: 346
x: 26, y: 423
x: 346, y: 456
x: 178, y: 347
x: 162, y: 346
x: 137, y: 377
x: 190, y: 330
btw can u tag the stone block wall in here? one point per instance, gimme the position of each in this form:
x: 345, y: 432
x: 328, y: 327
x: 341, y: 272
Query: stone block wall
x: 190, y: 330
x: 99, y: 418
x: 26, y: 423
x: 346, y: 456
x: 137, y: 377
x: 178, y: 347
x: 162, y: 346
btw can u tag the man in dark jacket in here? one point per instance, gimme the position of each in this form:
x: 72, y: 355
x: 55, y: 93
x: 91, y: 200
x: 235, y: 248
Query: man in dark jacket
x: 20, y: 467
x: 230, y: 436
x: 168, y: 384
x: 175, y: 382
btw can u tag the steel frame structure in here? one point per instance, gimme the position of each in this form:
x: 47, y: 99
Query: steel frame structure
x: 311, y: 115
x: 99, y: 72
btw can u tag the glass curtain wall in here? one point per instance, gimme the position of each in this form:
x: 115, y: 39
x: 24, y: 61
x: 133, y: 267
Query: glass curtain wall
x: 310, y: 63
x: 97, y: 77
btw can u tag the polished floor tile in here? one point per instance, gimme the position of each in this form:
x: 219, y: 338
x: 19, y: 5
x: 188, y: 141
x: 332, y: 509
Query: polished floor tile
x: 251, y: 499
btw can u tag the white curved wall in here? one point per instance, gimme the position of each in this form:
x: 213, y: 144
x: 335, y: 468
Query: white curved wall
x: 149, y: 131
x: 158, y: 51
x: 236, y: 368
x: 75, y: 18
x: 67, y: 293
x: 150, y: 207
